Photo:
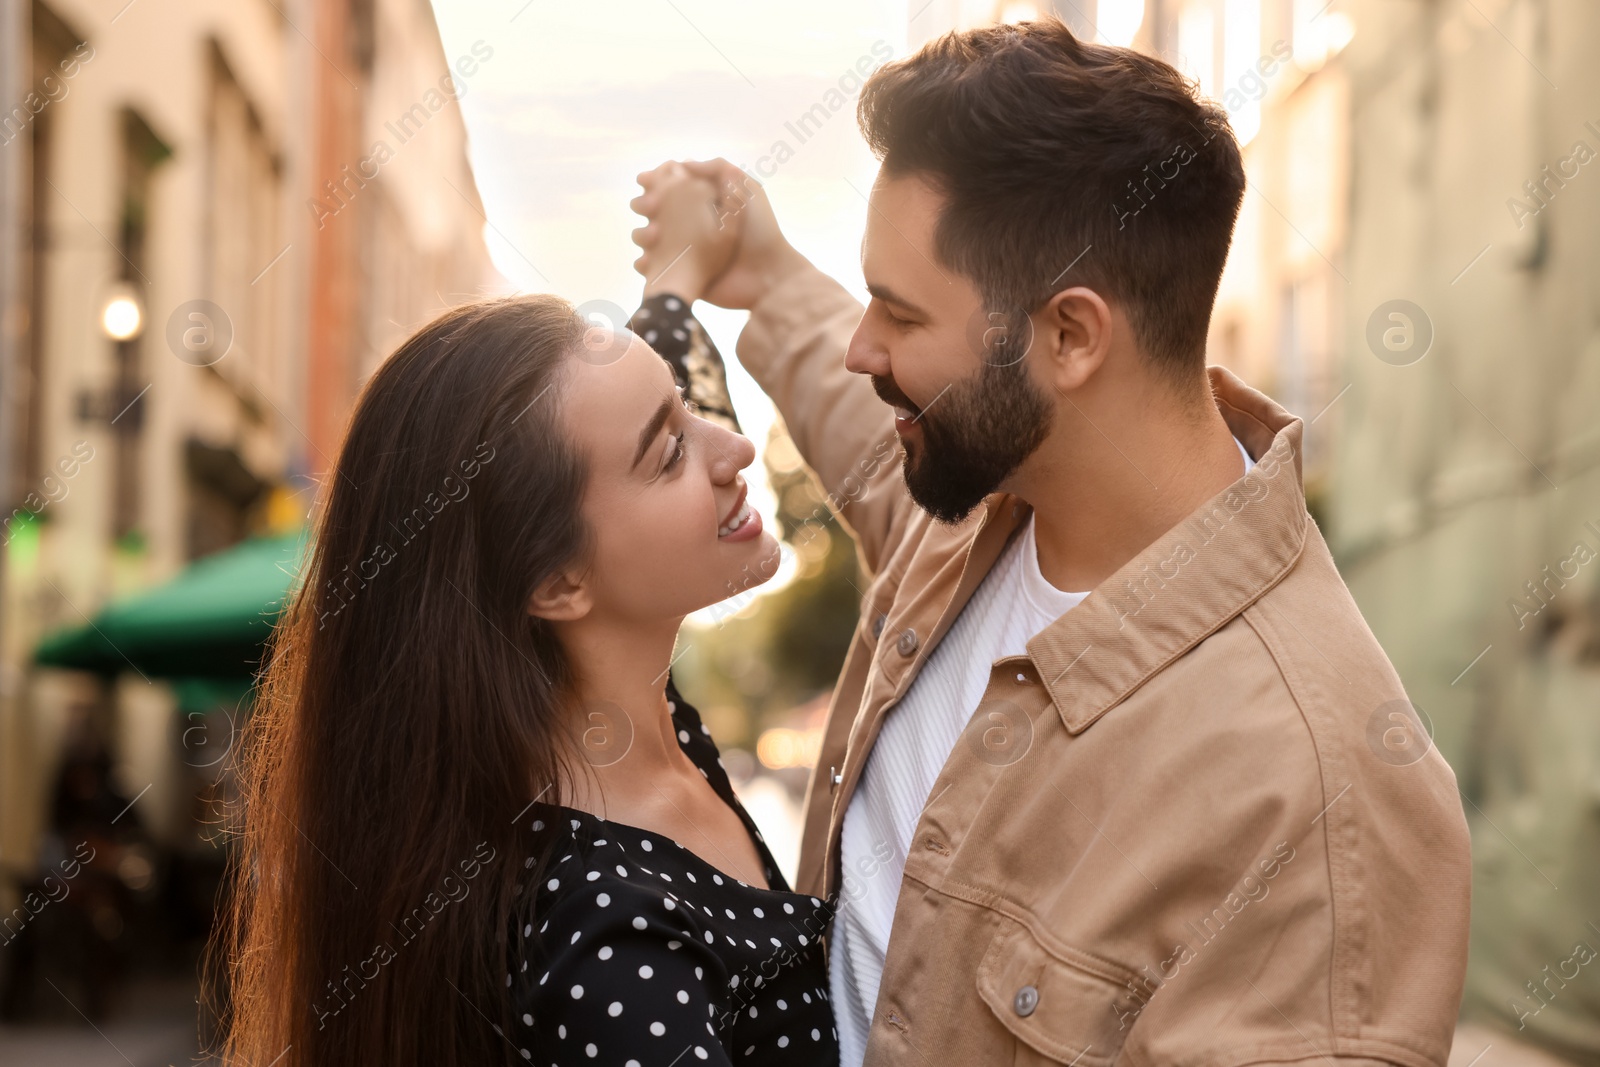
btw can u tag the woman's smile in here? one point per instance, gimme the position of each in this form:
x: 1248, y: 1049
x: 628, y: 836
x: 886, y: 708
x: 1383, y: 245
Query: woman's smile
x: 742, y: 521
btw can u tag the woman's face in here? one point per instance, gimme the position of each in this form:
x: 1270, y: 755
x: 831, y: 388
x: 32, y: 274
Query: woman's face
x: 664, y: 503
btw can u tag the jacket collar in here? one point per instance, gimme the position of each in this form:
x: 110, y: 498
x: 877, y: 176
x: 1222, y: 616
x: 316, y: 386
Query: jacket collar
x: 1190, y: 581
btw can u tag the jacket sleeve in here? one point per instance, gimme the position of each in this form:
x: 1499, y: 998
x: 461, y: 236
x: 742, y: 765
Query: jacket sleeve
x: 794, y: 346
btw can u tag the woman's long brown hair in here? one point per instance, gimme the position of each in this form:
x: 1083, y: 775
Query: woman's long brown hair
x: 409, y: 713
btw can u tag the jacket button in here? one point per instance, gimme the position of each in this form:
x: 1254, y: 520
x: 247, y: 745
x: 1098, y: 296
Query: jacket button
x: 877, y: 623
x: 907, y: 643
x: 1026, y: 1000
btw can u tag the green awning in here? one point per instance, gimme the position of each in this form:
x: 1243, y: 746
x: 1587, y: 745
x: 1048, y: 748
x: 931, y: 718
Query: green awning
x: 211, y: 620
x: 196, y: 696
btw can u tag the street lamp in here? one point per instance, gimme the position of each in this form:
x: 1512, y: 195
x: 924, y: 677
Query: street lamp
x: 122, y: 317
x: 122, y: 322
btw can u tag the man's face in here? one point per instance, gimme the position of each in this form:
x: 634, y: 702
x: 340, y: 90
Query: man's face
x: 967, y: 410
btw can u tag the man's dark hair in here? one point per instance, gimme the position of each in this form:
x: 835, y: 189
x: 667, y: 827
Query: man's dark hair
x: 1046, y: 146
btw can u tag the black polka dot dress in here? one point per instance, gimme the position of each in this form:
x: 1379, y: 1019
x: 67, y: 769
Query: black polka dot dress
x: 642, y: 954
x: 668, y: 325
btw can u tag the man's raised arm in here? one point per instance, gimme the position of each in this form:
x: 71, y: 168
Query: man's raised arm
x: 800, y: 324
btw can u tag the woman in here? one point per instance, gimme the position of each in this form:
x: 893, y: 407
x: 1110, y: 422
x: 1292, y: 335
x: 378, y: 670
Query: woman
x: 479, y: 824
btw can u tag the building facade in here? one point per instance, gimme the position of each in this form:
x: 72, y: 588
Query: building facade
x: 220, y: 218
x: 1465, y: 491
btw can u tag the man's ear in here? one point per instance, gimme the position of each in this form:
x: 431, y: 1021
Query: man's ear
x: 1074, y: 332
x: 562, y: 597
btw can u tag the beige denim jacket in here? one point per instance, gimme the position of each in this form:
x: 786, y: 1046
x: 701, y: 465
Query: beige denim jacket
x: 1197, y: 825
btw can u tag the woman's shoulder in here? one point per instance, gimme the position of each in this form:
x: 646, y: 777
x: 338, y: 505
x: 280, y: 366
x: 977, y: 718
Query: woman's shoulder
x: 603, y: 905
x: 645, y: 890
x: 609, y: 936
x: 604, y: 874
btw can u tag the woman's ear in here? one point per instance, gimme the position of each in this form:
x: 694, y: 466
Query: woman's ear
x: 562, y: 597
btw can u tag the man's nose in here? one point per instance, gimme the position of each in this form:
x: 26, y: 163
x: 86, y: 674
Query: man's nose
x: 865, y: 355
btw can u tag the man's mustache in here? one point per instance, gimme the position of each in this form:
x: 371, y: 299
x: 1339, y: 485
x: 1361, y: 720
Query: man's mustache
x: 890, y: 394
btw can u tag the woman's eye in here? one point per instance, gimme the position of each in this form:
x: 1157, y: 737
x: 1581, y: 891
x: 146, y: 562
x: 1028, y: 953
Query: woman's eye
x: 678, y: 451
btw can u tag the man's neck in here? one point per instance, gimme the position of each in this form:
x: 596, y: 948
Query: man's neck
x: 1115, y: 474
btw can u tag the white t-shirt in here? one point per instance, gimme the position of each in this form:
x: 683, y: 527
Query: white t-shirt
x: 1013, y: 603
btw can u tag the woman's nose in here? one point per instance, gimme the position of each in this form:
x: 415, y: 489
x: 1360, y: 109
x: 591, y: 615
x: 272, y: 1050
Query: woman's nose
x: 730, y: 453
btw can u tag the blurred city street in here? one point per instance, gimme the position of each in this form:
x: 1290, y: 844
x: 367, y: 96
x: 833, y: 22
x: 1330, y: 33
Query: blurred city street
x: 154, y: 1026
x: 218, y: 220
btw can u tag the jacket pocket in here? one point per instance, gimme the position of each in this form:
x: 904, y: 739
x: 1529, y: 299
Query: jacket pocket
x: 1060, y: 1009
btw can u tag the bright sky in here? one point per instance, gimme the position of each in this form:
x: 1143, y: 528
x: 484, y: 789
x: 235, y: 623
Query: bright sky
x: 578, y: 98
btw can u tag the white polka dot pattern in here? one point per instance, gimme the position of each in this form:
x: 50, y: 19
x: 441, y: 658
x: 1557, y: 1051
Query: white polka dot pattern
x: 647, y: 955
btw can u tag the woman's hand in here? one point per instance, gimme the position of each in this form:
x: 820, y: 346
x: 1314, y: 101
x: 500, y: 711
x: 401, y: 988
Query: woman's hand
x: 760, y: 256
x: 686, y: 244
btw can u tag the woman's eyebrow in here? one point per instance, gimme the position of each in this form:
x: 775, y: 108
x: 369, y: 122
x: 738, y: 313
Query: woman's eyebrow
x: 653, y: 427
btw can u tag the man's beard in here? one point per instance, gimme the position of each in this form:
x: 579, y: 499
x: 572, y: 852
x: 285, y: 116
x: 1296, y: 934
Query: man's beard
x: 973, y: 436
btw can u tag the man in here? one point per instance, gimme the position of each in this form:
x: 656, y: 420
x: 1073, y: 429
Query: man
x: 1115, y: 772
